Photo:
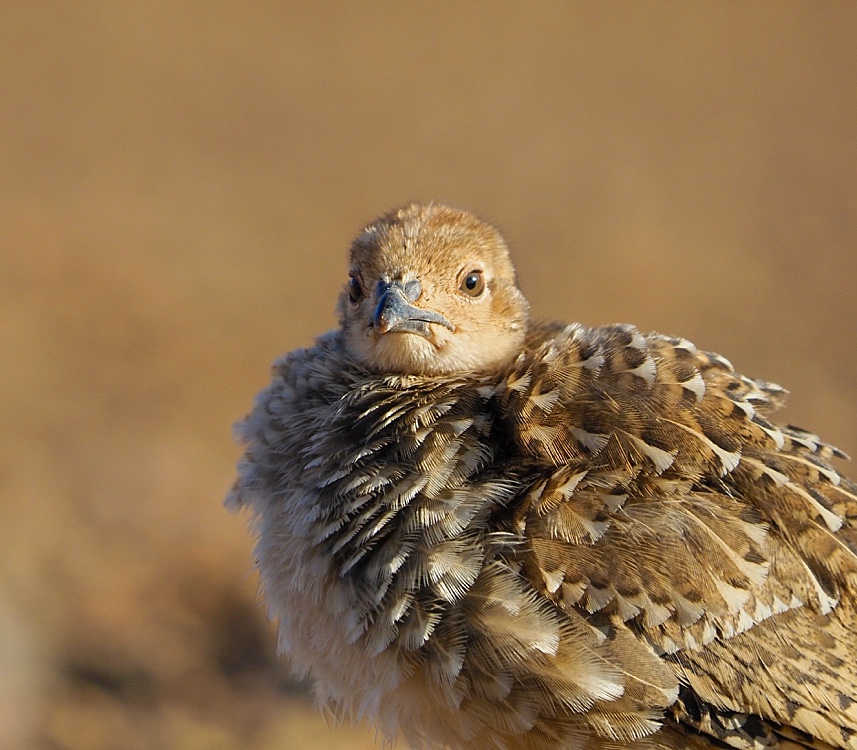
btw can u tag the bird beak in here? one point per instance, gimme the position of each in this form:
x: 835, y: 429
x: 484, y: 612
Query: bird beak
x: 396, y: 313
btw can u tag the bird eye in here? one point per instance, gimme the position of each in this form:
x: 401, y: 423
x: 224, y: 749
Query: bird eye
x: 473, y: 284
x: 355, y: 290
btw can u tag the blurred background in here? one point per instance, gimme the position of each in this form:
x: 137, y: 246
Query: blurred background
x: 179, y: 183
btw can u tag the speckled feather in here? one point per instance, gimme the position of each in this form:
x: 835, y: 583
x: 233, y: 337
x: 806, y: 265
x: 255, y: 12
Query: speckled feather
x: 600, y: 540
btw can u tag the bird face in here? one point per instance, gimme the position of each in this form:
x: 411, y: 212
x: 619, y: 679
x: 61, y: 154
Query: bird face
x: 431, y: 291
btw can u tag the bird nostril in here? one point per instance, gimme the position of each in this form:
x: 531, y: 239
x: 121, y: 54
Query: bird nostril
x: 413, y: 290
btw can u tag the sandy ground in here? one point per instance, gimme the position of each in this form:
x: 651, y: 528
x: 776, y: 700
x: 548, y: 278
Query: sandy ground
x: 179, y: 183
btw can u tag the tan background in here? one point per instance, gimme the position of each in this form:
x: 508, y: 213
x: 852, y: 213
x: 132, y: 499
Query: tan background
x: 178, y: 186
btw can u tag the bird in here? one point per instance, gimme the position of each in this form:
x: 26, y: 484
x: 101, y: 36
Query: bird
x: 479, y: 531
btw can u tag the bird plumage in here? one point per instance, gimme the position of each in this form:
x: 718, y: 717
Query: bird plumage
x: 487, y: 533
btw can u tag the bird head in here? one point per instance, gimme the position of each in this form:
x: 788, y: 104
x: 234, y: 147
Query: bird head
x: 431, y: 291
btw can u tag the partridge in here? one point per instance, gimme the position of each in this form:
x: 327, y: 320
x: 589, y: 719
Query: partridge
x: 486, y: 533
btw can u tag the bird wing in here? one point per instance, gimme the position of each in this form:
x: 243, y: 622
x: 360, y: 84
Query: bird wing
x: 664, y: 505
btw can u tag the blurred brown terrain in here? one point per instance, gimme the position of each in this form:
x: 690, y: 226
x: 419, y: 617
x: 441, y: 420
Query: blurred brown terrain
x: 179, y: 183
